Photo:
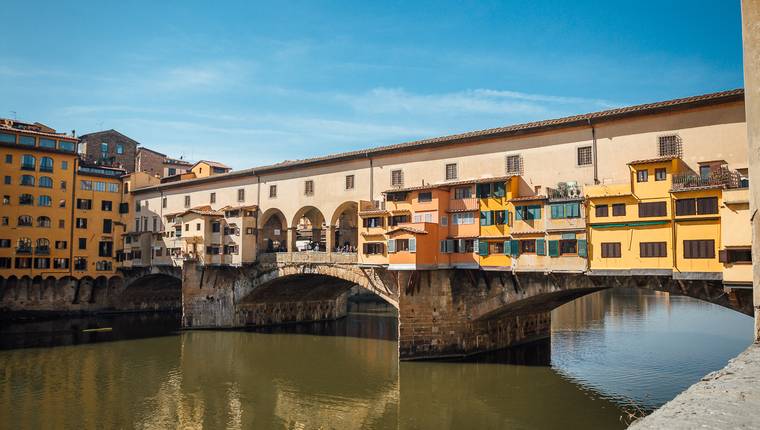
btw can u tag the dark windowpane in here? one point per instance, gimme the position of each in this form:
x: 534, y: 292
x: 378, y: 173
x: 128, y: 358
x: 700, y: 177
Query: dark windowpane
x: 602, y: 210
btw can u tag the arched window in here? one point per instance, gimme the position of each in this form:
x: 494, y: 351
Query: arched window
x: 46, y: 182
x: 28, y: 162
x: 44, y: 201
x: 26, y: 199
x: 27, y: 180
x: 43, y: 245
x: 24, y: 244
x: 46, y: 164
x: 24, y: 221
x: 43, y: 221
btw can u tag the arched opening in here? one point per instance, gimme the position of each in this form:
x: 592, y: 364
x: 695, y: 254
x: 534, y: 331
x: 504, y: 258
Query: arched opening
x: 155, y: 292
x: 308, y: 230
x: 273, y: 231
x: 99, y: 290
x: 344, y: 233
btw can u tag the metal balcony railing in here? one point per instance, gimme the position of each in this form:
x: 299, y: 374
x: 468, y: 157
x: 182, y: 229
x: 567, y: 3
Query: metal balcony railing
x: 722, y: 177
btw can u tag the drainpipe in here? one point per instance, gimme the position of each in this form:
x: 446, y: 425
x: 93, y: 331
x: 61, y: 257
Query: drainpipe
x: 593, y: 152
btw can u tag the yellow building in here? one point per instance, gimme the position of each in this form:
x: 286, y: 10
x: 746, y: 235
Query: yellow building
x: 494, y: 242
x: 100, y: 212
x: 38, y: 168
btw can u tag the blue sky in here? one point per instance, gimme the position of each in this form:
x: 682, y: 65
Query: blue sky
x: 250, y: 83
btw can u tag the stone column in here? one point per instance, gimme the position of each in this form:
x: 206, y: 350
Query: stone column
x: 330, y: 238
x: 751, y: 38
x: 292, y: 239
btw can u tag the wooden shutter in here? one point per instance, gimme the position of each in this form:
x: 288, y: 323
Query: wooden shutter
x: 507, y: 247
x: 460, y: 245
x: 723, y: 256
x: 618, y: 209
x: 707, y: 205
x: 582, y: 248
x: 412, y: 245
x: 553, y: 248
x: 506, y: 218
x: 515, y: 247
x: 391, y: 245
x: 449, y: 245
x: 540, y: 247
x: 483, y: 248
x: 602, y: 210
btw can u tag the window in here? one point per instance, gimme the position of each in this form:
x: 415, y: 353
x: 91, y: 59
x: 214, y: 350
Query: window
x: 64, y: 164
x: 730, y: 256
x: 565, y: 210
x: 44, y: 201
x: 100, y: 186
x: 27, y: 140
x: 602, y: 210
x: 699, y: 248
x: 85, y: 185
x: 705, y: 171
x: 28, y: 162
x: 82, y: 243
x: 23, y: 263
x: 568, y: 246
x: 26, y: 199
x: 119, y: 148
x: 652, y: 209
x: 113, y: 188
x: 43, y: 221
x: 241, y: 194
x: 451, y: 171
x: 216, y: 227
x: 61, y: 244
x: 398, y: 219
x: 81, y: 223
x: 462, y: 193
x: 60, y: 263
x: 653, y: 249
x: 4, y: 220
x: 46, y: 164
x: 107, y: 226
x: 425, y: 197
x: 80, y: 263
x: 660, y: 174
x: 155, y: 223
x: 308, y: 189
x: 106, y: 205
x: 47, y: 143
x: 198, y: 226
x: 349, y: 182
x: 669, y: 145
x: 585, y: 156
x: 272, y: 191
x: 611, y: 250
x: 61, y: 223
x: 707, y: 205
x: 8, y: 158
x: 24, y: 221
x: 373, y: 248
x: 7, y: 180
x: 423, y: 217
x: 397, y: 178
x: 446, y: 246
x: 63, y: 185
x: 686, y: 207
x: 463, y: 218
x: 642, y: 175
x: 6, y: 199
x: 618, y: 209
x: 5, y: 262
x: 27, y: 180
x: 123, y: 208
x: 105, y: 249
x: 211, y: 198
x: 373, y: 222
x: 495, y: 247
x: 84, y: 204
x: 187, y: 201
x: 46, y: 182
x: 5, y: 243
x: 490, y: 190
x: 444, y: 220
x: 514, y: 165
x: 104, y: 149
x: 528, y: 213
x: 7, y: 138
x: 528, y: 246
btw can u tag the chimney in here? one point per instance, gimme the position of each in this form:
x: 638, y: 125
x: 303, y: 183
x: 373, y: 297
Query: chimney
x: 73, y: 133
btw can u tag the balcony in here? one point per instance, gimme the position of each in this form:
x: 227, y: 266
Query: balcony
x: 565, y: 191
x: 463, y: 205
x: 373, y: 205
x: 721, y: 178
x: 42, y: 250
x: 24, y: 250
x: 26, y: 166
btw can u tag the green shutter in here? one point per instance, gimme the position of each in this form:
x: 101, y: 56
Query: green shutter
x: 391, y: 245
x: 518, y: 213
x: 553, y: 248
x: 535, y: 212
x: 515, y: 248
x: 557, y: 211
x: 480, y: 191
x: 483, y: 248
x: 506, y: 217
x: 507, y: 247
x: 483, y: 219
x: 540, y: 247
x: 582, y: 248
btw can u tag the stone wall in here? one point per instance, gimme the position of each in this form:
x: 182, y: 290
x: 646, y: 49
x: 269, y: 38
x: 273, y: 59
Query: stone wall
x: 92, y: 143
x: 150, y: 162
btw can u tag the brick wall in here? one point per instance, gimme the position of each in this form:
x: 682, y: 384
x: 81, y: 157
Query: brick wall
x: 92, y: 148
x: 150, y: 162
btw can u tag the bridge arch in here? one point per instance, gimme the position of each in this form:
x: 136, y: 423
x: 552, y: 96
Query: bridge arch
x: 273, y: 231
x: 343, y: 229
x: 308, y: 225
x: 157, y: 290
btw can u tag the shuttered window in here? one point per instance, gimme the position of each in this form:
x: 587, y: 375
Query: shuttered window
x: 686, y: 207
x: 514, y: 165
x: 707, y: 205
x: 618, y: 209
x: 272, y: 191
x: 584, y: 156
x: 699, y: 248
x: 349, y: 182
x: 611, y: 250
x: 602, y: 210
x: 528, y: 246
x: 653, y: 249
x: 553, y: 248
x: 397, y: 178
x: 540, y: 247
x: 652, y: 209
x: 451, y: 171
x: 308, y: 188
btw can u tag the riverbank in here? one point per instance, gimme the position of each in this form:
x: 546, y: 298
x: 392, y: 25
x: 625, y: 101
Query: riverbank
x: 727, y: 398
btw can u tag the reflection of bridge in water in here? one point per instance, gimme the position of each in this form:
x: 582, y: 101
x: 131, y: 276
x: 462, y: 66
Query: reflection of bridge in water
x: 442, y: 313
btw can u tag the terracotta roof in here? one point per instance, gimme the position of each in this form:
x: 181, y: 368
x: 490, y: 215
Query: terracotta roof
x: 453, y: 211
x: 654, y: 160
x: 94, y: 133
x: 527, y: 232
x: 243, y: 207
x: 202, y: 210
x: 212, y: 164
x: 449, y: 184
x: 407, y: 229
x: 373, y: 212
x: 63, y: 136
x: 528, y: 198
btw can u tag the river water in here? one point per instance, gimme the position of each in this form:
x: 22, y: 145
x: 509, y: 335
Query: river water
x: 611, y: 353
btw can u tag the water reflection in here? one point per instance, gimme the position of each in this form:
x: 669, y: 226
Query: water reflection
x: 605, y: 349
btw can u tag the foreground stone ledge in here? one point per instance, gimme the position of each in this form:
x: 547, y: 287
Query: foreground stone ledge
x: 725, y: 399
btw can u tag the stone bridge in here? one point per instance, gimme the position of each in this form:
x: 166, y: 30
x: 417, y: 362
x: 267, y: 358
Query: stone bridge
x: 442, y: 313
